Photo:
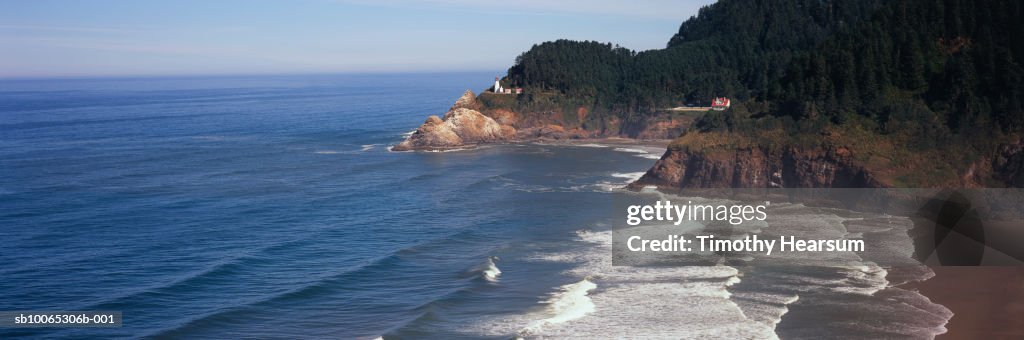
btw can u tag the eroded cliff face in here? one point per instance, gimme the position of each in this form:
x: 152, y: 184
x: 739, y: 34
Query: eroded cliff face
x: 758, y: 168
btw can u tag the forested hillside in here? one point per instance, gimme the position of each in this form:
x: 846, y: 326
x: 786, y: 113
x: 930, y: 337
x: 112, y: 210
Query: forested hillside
x: 920, y: 74
x: 806, y: 57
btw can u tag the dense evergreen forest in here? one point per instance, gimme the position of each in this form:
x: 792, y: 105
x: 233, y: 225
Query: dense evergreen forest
x: 937, y: 69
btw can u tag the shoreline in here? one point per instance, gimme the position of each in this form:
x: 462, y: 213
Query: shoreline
x: 986, y: 302
x: 607, y: 141
x: 660, y: 144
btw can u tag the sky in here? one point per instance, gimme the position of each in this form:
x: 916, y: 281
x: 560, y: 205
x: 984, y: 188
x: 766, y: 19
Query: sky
x: 70, y: 38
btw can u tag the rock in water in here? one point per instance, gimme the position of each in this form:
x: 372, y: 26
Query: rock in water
x: 463, y: 125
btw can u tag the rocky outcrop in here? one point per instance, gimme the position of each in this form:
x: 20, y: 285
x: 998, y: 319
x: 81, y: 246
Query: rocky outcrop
x: 466, y: 101
x: 758, y: 168
x: 462, y: 125
x: 469, y: 122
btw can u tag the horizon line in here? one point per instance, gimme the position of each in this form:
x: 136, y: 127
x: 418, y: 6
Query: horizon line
x: 241, y: 74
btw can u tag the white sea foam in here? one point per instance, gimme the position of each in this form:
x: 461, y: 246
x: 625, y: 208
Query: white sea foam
x: 632, y: 176
x: 570, y: 302
x: 362, y: 148
x: 592, y: 145
x: 709, y: 302
x: 608, y: 186
x: 407, y: 134
x: 603, y: 238
x: 652, y: 302
x: 864, y: 280
x: 490, y: 270
x: 391, y: 147
x: 449, y: 150
x: 630, y: 150
x: 649, y: 156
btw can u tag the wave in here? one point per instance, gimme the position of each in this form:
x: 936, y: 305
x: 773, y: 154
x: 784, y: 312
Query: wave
x: 630, y: 150
x: 729, y: 302
x: 591, y: 145
x: 649, y: 156
x: 601, y: 186
x: 569, y: 303
x: 449, y: 150
x: 489, y: 270
x: 213, y: 274
x: 864, y: 280
x: 655, y: 301
x: 318, y: 286
x: 629, y: 175
x: 605, y: 186
x: 768, y: 308
x: 362, y: 148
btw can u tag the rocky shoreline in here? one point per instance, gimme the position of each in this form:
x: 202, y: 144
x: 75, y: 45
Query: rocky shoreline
x: 462, y: 125
x: 466, y: 125
x: 759, y: 168
x: 469, y: 123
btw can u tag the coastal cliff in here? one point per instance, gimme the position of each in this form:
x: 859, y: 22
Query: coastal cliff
x: 834, y: 162
x: 470, y: 122
x: 758, y: 168
x: 761, y: 157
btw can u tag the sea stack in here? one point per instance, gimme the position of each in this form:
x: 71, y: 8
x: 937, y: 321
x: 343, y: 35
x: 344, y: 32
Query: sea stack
x: 462, y: 125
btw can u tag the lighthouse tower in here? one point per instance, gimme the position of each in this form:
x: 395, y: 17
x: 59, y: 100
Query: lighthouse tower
x: 497, y: 85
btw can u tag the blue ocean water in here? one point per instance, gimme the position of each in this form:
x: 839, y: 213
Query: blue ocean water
x: 270, y: 207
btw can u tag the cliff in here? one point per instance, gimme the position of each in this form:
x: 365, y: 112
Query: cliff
x: 831, y: 160
x: 791, y: 167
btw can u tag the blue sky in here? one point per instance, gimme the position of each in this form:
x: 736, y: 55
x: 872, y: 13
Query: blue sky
x: 46, y: 38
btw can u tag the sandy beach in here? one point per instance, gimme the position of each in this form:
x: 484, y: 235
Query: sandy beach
x: 987, y: 302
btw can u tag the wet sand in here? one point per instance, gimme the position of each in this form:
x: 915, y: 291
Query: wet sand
x: 987, y: 302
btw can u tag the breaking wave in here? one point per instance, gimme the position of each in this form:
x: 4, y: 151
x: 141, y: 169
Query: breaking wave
x: 569, y: 303
x: 630, y: 150
x: 489, y: 270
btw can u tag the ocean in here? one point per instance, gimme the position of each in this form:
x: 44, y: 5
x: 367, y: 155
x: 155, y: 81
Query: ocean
x: 271, y: 207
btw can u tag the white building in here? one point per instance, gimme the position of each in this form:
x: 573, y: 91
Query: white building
x: 497, y: 86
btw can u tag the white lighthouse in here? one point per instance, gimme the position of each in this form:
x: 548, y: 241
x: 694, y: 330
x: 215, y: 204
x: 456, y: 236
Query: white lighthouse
x: 497, y: 85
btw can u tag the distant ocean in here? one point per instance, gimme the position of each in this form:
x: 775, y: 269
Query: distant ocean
x: 271, y: 207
